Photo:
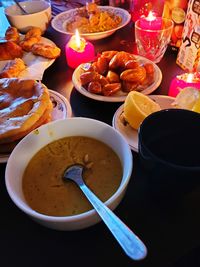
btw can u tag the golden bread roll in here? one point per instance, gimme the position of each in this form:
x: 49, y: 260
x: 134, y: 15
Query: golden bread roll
x: 32, y: 37
x: 46, y: 50
x: 33, y: 32
x: 12, y: 34
x: 24, y: 105
x: 27, y: 44
x: 13, y: 68
x: 10, y: 50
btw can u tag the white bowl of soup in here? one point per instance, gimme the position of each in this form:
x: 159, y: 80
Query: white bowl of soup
x: 39, y: 15
x: 35, y: 169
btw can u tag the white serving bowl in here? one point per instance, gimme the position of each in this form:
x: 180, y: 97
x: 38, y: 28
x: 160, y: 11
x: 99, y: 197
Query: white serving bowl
x: 48, y: 133
x: 40, y: 15
x: 59, y: 22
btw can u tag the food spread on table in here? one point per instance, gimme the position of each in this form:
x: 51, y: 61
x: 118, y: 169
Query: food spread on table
x: 112, y: 73
x: 16, y: 47
x: 124, y: 127
x: 116, y: 72
x: 103, y: 173
x: 24, y: 105
x: 90, y: 19
x: 137, y: 106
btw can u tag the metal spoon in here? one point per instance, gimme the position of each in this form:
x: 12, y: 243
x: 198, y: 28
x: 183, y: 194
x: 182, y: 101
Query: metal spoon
x: 130, y: 243
x: 22, y: 9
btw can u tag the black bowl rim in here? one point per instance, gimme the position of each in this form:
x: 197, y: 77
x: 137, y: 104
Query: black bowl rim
x: 156, y: 158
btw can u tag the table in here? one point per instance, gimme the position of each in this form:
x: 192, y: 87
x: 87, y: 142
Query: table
x: 169, y: 228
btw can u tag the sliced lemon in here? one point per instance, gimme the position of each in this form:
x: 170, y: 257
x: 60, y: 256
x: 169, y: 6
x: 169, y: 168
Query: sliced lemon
x: 188, y: 98
x: 196, y: 106
x: 137, y: 107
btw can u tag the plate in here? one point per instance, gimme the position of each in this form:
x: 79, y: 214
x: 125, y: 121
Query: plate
x: 59, y: 22
x: 36, y: 65
x: 130, y: 134
x: 119, y: 97
x: 61, y: 110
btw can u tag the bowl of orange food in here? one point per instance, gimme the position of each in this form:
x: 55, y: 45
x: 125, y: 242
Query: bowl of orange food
x: 35, y: 169
x: 93, y: 22
x: 113, y: 74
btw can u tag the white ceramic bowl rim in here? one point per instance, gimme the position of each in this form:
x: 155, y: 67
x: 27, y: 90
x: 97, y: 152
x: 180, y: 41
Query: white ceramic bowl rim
x: 7, y: 9
x: 81, y: 216
x: 58, y: 25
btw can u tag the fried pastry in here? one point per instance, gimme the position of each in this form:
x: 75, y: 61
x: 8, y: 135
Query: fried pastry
x: 27, y: 44
x: 46, y: 50
x: 33, y: 32
x: 24, y: 105
x: 12, y: 34
x: 13, y: 68
x: 32, y: 37
x: 10, y: 50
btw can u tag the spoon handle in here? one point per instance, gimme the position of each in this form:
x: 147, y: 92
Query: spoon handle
x: 130, y: 243
x: 22, y: 9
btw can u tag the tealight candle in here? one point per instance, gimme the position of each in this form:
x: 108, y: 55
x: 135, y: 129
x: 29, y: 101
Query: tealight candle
x: 184, y: 80
x: 151, y: 22
x: 78, y: 51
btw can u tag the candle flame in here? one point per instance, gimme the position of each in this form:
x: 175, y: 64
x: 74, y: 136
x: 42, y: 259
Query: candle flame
x: 151, y: 16
x: 78, y: 40
x: 190, y: 77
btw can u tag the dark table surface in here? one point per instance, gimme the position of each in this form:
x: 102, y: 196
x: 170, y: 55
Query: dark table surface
x: 169, y: 227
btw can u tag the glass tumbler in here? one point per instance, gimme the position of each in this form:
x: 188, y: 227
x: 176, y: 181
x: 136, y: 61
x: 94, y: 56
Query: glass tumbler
x: 152, y: 43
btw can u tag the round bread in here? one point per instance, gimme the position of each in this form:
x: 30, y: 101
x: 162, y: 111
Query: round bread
x: 8, y: 147
x: 24, y: 105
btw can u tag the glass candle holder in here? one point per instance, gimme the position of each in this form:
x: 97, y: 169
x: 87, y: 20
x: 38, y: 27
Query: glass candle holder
x: 152, y: 37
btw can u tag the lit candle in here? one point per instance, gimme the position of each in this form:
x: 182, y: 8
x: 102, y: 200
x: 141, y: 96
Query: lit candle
x: 184, y: 80
x: 151, y: 22
x: 78, y: 51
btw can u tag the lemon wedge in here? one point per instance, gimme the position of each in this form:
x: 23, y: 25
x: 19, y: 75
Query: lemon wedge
x: 196, y: 106
x: 188, y: 98
x: 137, y: 107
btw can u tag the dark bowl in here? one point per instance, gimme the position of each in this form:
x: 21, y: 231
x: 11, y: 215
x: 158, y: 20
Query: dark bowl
x: 169, y: 150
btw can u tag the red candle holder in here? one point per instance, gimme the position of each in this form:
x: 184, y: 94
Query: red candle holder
x: 151, y: 22
x: 78, y: 52
x: 152, y: 35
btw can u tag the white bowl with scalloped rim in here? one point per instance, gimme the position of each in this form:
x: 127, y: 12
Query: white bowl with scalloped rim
x: 59, y: 22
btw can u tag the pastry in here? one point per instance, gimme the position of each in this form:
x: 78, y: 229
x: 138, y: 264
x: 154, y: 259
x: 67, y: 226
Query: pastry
x: 10, y: 50
x: 12, y: 34
x: 32, y: 37
x: 13, y: 68
x: 46, y: 50
x: 24, y: 105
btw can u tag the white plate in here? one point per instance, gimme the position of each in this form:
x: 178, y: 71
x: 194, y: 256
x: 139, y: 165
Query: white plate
x: 36, y: 65
x: 130, y: 134
x: 59, y: 22
x: 120, y: 96
x: 61, y: 110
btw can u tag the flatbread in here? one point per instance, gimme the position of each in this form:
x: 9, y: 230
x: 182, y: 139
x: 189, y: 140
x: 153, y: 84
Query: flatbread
x: 24, y: 105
